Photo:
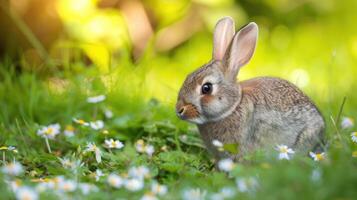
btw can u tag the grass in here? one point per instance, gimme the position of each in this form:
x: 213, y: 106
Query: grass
x: 29, y: 101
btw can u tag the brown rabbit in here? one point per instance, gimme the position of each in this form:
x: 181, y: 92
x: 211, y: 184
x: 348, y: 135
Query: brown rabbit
x: 256, y: 113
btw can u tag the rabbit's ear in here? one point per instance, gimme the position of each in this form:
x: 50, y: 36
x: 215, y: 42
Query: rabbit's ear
x: 241, y: 49
x: 223, y: 34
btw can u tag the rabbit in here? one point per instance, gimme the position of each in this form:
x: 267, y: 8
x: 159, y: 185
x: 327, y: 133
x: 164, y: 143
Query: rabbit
x: 255, y: 114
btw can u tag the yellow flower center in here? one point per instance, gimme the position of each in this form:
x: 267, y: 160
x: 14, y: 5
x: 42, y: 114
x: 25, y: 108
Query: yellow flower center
x: 81, y: 121
x: 283, y: 150
x: 69, y: 128
x: 354, y: 134
x: 319, y: 156
x: 26, y: 197
x: 49, y: 131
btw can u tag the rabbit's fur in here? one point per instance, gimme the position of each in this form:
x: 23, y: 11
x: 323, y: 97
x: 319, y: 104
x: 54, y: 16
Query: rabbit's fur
x: 254, y: 114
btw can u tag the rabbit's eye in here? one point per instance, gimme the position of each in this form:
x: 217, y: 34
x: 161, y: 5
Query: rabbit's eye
x: 206, y: 88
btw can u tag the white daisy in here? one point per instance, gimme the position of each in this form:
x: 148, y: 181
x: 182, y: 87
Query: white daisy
x: 354, y: 137
x: 134, y: 184
x: 347, y: 122
x: 67, y: 186
x: 115, y: 180
x: 284, y: 152
x: 96, y: 99
x: 49, y: 131
x: 318, y: 156
x: 14, y: 184
x: 80, y: 122
x: 140, y: 146
x: 194, y: 194
x: 97, y: 125
x: 149, y: 196
x: 26, y: 193
x: 158, y: 189
x: 226, y: 165
x: 108, y: 113
x: 140, y: 172
x: 69, y: 131
x: 98, y: 174
x: 91, y: 147
x: 149, y: 150
x: 113, y: 144
x: 13, y: 168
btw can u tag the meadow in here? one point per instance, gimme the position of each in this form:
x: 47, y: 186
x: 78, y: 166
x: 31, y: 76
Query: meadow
x: 107, y: 129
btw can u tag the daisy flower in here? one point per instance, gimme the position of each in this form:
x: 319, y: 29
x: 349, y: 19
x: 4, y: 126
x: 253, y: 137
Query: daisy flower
x: 26, y: 193
x: 91, y: 147
x: 13, y: 168
x: 347, y: 122
x: 14, y: 185
x: 97, y: 125
x: 149, y: 150
x: 140, y: 172
x: 218, y: 144
x: 141, y: 147
x: 318, y: 156
x: 158, y: 189
x: 113, y: 144
x: 224, y: 193
x: 67, y: 186
x: 96, y: 99
x: 134, y: 184
x: 115, y: 181
x: 69, y: 131
x: 9, y: 148
x: 194, y: 194
x: 284, y: 152
x: 149, y: 196
x: 354, y: 136
x: 70, y: 164
x: 80, y: 122
x: 108, y: 113
x: 98, y: 173
x: 49, y: 131
x: 226, y: 165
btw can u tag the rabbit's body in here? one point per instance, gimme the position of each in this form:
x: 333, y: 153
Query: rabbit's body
x: 257, y: 113
x: 270, y: 111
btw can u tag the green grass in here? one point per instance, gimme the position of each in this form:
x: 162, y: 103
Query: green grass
x: 29, y: 101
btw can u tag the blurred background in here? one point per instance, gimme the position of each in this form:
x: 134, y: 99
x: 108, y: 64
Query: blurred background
x: 140, y: 49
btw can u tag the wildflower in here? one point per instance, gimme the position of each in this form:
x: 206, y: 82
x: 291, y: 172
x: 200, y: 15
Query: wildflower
x: 9, y: 148
x: 284, y: 152
x: 226, y: 165
x: 97, y: 125
x: 67, y: 186
x: 149, y: 196
x: 96, y: 99
x: 134, y: 184
x: 115, y: 181
x: 14, y: 185
x: 98, y: 173
x: 347, y: 122
x: 91, y: 147
x: 80, y: 122
x: 317, y: 156
x: 158, y: 189
x: 141, y: 147
x: 108, y: 113
x: 149, y: 150
x: 26, y: 193
x: 247, y: 184
x: 87, y: 188
x: 354, y: 136
x: 13, y: 168
x: 49, y: 131
x: 70, y: 164
x: 194, y: 194
x: 218, y: 144
x: 140, y: 172
x: 69, y: 131
x: 113, y: 144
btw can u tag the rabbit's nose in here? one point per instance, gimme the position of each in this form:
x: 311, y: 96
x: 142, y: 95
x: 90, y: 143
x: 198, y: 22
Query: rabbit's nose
x: 181, y: 111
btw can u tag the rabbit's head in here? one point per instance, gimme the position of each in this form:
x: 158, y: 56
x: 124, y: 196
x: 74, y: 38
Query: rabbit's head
x: 211, y: 92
